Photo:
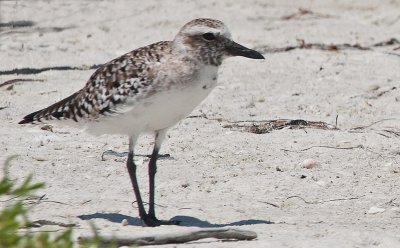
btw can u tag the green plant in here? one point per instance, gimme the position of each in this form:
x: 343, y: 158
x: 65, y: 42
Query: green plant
x: 13, y: 217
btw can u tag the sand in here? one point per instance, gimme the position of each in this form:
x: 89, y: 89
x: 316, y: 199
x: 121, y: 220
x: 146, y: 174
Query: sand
x: 216, y: 176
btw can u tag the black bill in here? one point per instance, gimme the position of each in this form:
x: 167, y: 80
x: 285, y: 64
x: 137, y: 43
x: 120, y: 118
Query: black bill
x: 235, y: 49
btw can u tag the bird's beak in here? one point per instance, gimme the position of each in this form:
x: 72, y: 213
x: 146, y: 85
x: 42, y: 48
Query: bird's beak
x: 235, y: 49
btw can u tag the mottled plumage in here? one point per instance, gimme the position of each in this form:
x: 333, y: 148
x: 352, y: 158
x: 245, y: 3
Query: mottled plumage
x: 110, y: 85
x: 149, y: 90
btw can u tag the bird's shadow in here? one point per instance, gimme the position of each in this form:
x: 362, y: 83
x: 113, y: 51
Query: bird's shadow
x: 184, y: 220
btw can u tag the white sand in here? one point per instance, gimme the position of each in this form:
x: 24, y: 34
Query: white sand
x: 215, y: 176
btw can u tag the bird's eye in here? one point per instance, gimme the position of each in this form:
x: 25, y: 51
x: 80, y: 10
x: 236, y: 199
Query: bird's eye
x: 209, y: 36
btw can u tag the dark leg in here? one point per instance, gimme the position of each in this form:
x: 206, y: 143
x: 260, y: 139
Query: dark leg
x: 151, y: 218
x: 152, y: 174
x: 130, y: 164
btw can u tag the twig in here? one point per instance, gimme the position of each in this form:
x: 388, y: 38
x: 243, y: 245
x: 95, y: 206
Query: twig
x: 261, y: 127
x: 323, y: 201
x: 303, y: 12
x: 176, y: 238
x: 40, y: 223
x: 373, y: 123
x: 269, y: 203
x: 30, y: 29
x: 12, y: 198
x: 390, y: 42
x: 384, y: 135
x: 395, y: 133
x: 134, y: 205
x: 40, y: 199
x: 85, y: 202
x: 12, y: 81
x: 28, y: 70
x: 296, y: 196
x: 332, y: 147
x: 124, y: 154
x: 17, y: 24
x: 342, y: 199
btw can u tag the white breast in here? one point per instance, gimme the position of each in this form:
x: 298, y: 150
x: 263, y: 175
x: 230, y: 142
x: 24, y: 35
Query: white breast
x: 162, y: 109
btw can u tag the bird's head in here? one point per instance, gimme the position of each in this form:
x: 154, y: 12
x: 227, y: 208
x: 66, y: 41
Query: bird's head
x: 210, y: 40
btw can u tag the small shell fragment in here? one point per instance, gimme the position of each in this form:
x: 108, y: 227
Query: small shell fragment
x: 309, y: 163
x: 375, y: 210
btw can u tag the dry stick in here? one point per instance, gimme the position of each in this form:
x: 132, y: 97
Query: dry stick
x: 266, y: 126
x: 289, y: 122
x: 176, y: 238
x: 269, y: 203
x: 342, y: 199
x: 17, y: 24
x: 32, y: 30
x: 12, y: 81
x: 332, y: 147
x: 124, y: 154
x: 323, y: 201
x: 40, y: 199
x: 395, y: 133
x: 381, y: 134
x: 39, y: 70
x: 40, y: 223
x: 390, y: 42
x: 12, y: 198
x: 85, y: 202
x: 373, y: 123
x: 302, y: 12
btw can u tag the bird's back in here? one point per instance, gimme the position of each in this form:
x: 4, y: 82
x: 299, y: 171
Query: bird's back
x: 109, y: 87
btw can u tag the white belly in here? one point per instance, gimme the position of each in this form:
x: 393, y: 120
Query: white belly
x: 162, y: 110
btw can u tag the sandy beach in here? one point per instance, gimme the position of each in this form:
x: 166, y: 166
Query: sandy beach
x: 333, y: 62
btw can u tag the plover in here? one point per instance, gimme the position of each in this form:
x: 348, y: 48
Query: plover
x: 150, y: 89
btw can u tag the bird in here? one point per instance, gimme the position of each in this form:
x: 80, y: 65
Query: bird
x: 149, y: 90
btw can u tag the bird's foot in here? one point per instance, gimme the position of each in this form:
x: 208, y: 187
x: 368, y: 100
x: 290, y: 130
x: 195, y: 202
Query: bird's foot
x: 152, y: 221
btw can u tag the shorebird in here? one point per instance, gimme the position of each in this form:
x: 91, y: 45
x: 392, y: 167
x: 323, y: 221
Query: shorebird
x: 150, y: 89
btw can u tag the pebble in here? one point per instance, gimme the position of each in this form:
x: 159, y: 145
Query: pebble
x: 373, y: 87
x: 375, y: 210
x: 392, y: 168
x: 124, y: 222
x: 321, y: 183
x: 40, y: 158
x: 47, y: 127
x: 309, y: 163
x: 260, y: 99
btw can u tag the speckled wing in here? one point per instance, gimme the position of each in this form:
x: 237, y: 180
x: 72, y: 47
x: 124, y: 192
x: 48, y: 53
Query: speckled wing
x: 108, y: 89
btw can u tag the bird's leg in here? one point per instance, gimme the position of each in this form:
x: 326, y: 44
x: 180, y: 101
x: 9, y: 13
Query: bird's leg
x: 130, y: 164
x: 151, y: 219
x: 152, y: 174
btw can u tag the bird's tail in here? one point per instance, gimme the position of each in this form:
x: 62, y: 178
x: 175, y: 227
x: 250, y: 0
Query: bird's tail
x: 65, y: 108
